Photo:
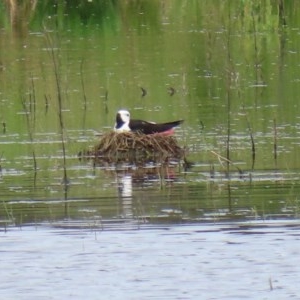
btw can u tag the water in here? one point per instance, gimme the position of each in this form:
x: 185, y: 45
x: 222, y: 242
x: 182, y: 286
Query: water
x: 151, y: 231
x: 226, y: 261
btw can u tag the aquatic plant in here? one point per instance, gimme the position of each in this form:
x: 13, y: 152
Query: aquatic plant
x: 54, y: 57
x: 29, y: 108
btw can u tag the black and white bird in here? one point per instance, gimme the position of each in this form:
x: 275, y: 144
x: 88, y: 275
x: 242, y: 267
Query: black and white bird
x: 125, y: 124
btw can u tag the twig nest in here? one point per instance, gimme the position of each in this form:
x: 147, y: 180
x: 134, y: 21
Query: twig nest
x: 133, y: 147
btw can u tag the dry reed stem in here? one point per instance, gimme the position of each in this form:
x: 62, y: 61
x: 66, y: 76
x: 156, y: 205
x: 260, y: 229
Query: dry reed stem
x: 222, y: 158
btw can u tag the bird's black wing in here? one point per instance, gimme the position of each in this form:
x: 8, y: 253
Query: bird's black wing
x: 150, y: 128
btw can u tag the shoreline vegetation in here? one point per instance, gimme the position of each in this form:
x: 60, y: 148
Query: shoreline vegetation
x: 22, y: 14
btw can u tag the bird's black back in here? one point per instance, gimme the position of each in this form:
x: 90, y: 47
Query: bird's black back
x: 150, y: 128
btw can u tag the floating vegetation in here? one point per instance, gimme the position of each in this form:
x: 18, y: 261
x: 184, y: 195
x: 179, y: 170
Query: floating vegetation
x: 135, y: 148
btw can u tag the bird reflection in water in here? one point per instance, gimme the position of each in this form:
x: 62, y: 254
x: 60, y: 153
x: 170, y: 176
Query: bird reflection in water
x: 133, y: 179
x: 125, y: 194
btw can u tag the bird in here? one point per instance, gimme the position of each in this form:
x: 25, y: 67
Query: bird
x: 125, y: 124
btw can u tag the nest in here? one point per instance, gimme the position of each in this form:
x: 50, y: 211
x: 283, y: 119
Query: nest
x: 135, y: 147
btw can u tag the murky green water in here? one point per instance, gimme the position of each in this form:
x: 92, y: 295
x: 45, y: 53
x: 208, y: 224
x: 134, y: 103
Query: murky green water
x: 230, y: 69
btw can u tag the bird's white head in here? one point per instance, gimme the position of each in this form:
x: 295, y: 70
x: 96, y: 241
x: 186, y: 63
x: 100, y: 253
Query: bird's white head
x: 124, y: 115
x: 122, y: 120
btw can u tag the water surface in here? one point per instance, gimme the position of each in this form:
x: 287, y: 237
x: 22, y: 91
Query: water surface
x: 225, y: 261
x: 152, y: 231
